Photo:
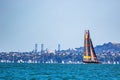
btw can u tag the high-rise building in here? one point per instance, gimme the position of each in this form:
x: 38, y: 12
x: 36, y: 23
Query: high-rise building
x: 58, y: 47
x: 42, y: 48
x: 36, y: 46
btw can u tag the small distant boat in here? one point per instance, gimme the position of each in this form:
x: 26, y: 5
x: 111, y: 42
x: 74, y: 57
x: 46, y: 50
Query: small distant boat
x: 89, y: 52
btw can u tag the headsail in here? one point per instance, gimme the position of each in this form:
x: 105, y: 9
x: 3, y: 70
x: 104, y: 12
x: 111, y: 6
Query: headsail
x: 89, y: 53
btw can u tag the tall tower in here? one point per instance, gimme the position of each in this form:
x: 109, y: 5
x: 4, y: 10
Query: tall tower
x: 58, y: 47
x: 36, y: 45
x: 42, y: 48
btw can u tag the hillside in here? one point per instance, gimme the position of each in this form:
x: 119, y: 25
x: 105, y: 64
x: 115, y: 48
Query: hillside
x: 108, y: 47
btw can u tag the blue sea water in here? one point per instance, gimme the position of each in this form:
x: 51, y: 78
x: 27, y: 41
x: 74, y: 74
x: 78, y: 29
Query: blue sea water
x: 59, y: 72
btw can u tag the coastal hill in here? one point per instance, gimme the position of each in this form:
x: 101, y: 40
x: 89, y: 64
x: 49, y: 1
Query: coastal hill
x: 106, y: 47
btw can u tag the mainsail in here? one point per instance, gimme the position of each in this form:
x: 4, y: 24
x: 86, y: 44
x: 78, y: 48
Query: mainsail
x: 89, y: 53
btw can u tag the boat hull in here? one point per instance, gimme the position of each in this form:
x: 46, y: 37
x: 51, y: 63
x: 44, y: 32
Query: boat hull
x: 92, y: 62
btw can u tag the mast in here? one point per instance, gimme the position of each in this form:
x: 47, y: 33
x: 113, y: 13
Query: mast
x: 89, y: 52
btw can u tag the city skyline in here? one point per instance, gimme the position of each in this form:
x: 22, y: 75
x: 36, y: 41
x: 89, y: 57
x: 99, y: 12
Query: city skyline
x: 25, y: 23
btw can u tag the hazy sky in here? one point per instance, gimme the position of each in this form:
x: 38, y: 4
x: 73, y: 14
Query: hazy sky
x: 51, y: 22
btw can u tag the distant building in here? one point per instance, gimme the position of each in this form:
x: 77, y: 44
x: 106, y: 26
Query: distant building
x: 42, y: 48
x: 59, y: 47
x: 36, y: 46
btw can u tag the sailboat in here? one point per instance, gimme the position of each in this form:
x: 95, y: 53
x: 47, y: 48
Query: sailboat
x: 89, y: 52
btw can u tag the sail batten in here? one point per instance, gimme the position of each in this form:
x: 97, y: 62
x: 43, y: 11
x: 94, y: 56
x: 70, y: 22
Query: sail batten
x: 89, y: 53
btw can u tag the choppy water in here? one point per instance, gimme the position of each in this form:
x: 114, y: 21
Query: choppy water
x: 59, y: 72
